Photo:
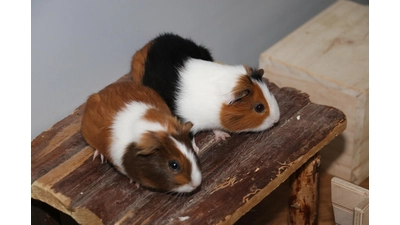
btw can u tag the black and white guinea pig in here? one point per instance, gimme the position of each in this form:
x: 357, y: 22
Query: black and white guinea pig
x: 134, y: 129
x: 213, y: 96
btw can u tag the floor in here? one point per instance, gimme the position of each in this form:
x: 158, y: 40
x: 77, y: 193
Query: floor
x: 273, y: 209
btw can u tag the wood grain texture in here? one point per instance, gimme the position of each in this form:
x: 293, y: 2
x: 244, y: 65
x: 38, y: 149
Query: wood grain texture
x: 327, y: 57
x: 304, y: 193
x: 237, y: 173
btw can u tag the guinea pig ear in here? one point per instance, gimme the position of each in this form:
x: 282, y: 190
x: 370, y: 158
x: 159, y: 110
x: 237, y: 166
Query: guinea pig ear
x: 147, y: 151
x: 257, y: 74
x: 186, y: 127
x: 237, y: 95
x: 150, y: 143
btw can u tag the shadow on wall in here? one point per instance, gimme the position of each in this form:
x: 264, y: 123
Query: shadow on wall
x: 332, y: 151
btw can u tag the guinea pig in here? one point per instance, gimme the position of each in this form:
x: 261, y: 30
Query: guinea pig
x: 132, y: 127
x: 213, y: 96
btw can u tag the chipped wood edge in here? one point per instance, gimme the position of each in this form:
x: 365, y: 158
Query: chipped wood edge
x: 42, y: 190
x: 259, y: 196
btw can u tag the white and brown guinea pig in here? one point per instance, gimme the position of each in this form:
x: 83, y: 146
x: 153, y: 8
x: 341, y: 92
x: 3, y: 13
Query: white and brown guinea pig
x: 134, y: 129
x: 211, y: 95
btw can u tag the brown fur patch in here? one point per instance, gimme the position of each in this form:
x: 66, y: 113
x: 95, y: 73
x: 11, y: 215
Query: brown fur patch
x: 101, y: 108
x: 138, y: 63
x: 163, y: 118
x: 150, y: 167
x: 173, y: 125
x: 95, y: 126
x: 241, y: 115
x: 164, y: 150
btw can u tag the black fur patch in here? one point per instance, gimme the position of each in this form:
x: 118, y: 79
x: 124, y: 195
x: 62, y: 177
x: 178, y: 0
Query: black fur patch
x: 165, y: 57
x: 257, y: 75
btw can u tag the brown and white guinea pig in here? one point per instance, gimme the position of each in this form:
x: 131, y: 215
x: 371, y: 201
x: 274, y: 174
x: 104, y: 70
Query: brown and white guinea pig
x: 134, y: 129
x: 211, y: 95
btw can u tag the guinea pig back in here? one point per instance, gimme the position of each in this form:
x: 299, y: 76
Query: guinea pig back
x: 133, y: 128
x: 211, y: 95
x: 155, y: 64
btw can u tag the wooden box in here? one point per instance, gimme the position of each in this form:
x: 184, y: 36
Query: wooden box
x: 327, y: 57
x: 350, y: 203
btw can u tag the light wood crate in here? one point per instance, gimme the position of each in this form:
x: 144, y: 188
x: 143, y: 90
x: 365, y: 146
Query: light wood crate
x: 328, y: 58
x: 350, y: 203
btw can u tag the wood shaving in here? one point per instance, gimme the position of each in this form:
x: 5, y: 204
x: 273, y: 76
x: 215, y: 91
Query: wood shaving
x: 183, y: 218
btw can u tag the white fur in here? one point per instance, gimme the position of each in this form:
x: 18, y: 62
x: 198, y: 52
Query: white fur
x: 202, y: 89
x: 274, y: 113
x: 204, y: 86
x: 128, y: 126
x: 196, y: 174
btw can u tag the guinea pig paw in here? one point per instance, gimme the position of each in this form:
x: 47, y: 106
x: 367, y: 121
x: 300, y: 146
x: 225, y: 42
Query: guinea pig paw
x: 137, y: 185
x: 195, y: 148
x: 220, y: 135
x: 96, y: 153
x: 102, y: 159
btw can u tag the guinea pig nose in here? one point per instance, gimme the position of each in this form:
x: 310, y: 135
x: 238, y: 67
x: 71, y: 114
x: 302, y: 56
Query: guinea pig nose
x: 259, y: 108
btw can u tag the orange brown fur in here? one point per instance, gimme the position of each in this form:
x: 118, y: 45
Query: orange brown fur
x: 102, y: 107
x: 241, y: 114
x: 162, y: 140
x: 138, y: 63
x: 174, y: 127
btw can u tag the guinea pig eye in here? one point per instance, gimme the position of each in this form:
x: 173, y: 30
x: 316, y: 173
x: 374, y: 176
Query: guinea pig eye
x: 259, y: 108
x: 174, y: 165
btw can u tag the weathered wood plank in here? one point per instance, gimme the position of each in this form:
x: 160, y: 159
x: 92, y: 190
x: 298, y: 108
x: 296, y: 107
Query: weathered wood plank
x: 237, y: 173
x: 304, y: 196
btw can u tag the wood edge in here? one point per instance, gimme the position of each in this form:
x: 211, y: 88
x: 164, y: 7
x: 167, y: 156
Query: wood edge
x: 338, y: 182
x: 58, y: 201
x: 361, y: 212
x: 41, y: 189
x: 295, y: 165
x: 55, y: 200
x: 86, y: 216
x: 363, y: 205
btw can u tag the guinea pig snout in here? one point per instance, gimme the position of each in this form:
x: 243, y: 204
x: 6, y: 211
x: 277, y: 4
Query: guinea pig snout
x: 189, y: 187
x: 193, y: 182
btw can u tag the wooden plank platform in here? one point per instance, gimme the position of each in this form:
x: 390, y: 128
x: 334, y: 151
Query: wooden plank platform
x: 237, y: 173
